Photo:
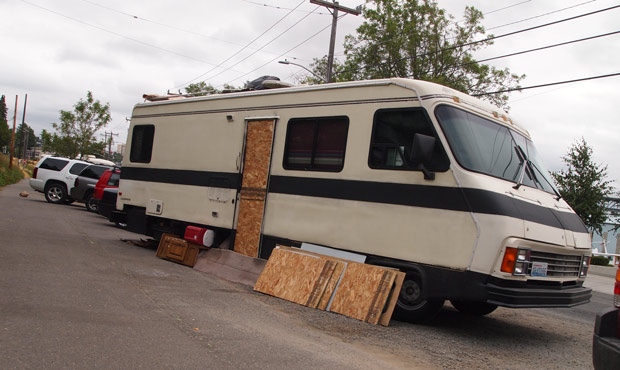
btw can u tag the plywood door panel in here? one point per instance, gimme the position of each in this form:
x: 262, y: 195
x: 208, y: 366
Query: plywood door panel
x: 259, y: 140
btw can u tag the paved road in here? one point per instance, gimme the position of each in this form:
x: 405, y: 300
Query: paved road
x: 74, y: 296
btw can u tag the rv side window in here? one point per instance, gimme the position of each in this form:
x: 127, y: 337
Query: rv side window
x: 142, y: 143
x: 392, y: 140
x: 316, y: 144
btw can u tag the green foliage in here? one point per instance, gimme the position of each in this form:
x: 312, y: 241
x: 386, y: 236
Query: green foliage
x: 202, y: 88
x: 22, y: 131
x: 75, y: 134
x: 584, y: 185
x: 599, y: 261
x: 7, y: 176
x: 5, y: 131
x: 417, y: 39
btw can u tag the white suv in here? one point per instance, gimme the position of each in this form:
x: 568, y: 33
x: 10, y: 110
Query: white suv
x: 54, y: 177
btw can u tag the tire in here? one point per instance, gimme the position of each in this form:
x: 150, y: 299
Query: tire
x: 474, y: 308
x: 411, y: 305
x: 91, y: 203
x: 56, y: 193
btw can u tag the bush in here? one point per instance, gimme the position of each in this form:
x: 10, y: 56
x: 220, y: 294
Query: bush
x: 599, y: 260
x: 7, y: 176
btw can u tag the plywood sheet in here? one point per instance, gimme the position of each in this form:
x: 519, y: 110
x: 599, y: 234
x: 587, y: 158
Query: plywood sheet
x: 363, y: 291
x: 256, y: 164
x: 295, y: 277
x: 386, y: 316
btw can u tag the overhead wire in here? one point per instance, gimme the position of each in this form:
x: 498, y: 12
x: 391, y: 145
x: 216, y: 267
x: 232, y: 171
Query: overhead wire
x: 281, y: 7
x: 286, y: 52
x: 272, y: 40
x: 549, y: 84
x: 490, y: 38
x: 118, y: 34
x: 243, y: 48
x: 540, y: 15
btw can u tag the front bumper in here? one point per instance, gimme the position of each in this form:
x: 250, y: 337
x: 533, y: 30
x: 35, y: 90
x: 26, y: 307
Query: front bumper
x: 526, y: 294
x: 606, y: 345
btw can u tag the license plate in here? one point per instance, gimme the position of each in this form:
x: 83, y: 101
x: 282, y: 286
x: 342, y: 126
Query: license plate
x: 539, y: 268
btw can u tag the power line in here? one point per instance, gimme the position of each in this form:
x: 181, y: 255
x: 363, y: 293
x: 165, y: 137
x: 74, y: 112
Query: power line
x: 539, y: 48
x: 541, y: 15
x: 282, y: 8
x: 243, y: 48
x: 118, y: 34
x: 548, y: 84
x: 496, y: 37
x: 288, y: 51
x: 272, y: 40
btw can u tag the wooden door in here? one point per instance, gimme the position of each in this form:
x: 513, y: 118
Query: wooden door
x: 257, y: 160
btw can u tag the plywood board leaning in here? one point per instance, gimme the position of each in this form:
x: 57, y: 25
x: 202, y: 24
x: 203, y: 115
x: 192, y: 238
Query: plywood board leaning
x: 295, y: 277
x: 386, y: 316
x: 256, y: 164
x: 363, y: 291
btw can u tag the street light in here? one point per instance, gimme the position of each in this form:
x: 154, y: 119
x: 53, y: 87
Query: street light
x: 299, y: 65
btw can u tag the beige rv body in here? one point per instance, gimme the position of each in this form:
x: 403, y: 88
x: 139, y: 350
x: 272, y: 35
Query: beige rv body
x: 206, y: 134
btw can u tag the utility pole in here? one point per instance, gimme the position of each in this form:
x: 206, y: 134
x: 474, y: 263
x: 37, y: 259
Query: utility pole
x: 109, y: 142
x: 13, y: 134
x: 336, y: 7
x: 25, y: 134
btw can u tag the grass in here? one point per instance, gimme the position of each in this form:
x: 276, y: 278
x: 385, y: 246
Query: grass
x: 12, y: 176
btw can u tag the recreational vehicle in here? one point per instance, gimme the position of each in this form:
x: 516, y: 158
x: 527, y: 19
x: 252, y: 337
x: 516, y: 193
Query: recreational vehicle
x: 410, y: 174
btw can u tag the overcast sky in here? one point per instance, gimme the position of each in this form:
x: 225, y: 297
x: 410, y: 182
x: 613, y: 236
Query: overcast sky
x: 55, y: 51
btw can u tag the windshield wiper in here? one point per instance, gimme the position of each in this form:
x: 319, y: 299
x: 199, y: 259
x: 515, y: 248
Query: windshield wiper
x: 558, y: 195
x: 524, y: 162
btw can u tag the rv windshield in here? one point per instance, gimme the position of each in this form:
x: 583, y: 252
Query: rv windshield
x: 484, y: 146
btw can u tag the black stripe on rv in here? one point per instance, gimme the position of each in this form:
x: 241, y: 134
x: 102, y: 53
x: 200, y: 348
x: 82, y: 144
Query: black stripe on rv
x: 438, y: 197
x: 223, y: 180
x: 427, y: 196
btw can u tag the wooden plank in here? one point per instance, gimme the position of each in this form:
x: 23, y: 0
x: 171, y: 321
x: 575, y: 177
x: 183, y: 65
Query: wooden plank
x: 331, y: 285
x: 386, y: 316
x: 363, y: 291
x: 259, y: 140
x: 295, y: 277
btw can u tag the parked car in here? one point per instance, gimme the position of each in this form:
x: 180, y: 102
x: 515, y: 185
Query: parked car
x: 84, y: 185
x: 54, y: 176
x: 107, y: 205
x: 606, y: 344
x: 109, y: 179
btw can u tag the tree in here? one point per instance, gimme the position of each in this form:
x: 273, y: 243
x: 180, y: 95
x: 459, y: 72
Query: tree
x: 75, y: 134
x: 24, y: 131
x: 5, y: 131
x: 584, y: 185
x: 202, y: 88
x: 417, y: 39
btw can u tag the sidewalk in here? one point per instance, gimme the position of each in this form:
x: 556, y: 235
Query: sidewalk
x: 601, y: 279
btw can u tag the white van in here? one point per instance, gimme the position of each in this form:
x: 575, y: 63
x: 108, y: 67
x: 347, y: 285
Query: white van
x: 410, y: 174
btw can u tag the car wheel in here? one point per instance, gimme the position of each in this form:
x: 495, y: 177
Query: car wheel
x: 91, y: 203
x: 411, y: 305
x: 55, y: 193
x: 474, y: 308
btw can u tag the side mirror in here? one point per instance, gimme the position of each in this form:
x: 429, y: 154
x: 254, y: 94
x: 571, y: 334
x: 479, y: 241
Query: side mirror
x: 422, y: 153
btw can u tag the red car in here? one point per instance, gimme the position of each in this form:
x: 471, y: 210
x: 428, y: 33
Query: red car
x: 109, y: 179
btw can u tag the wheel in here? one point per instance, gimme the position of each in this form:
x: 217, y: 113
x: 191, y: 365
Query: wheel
x: 411, y: 305
x: 474, y: 308
x: 91, y: 203
x: 55, y: 193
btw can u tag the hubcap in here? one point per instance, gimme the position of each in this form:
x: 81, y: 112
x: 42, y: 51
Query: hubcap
x: 410, y: 292
x: 54, y: 193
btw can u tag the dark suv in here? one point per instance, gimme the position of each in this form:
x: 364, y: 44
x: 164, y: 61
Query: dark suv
x: 84, y: 185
